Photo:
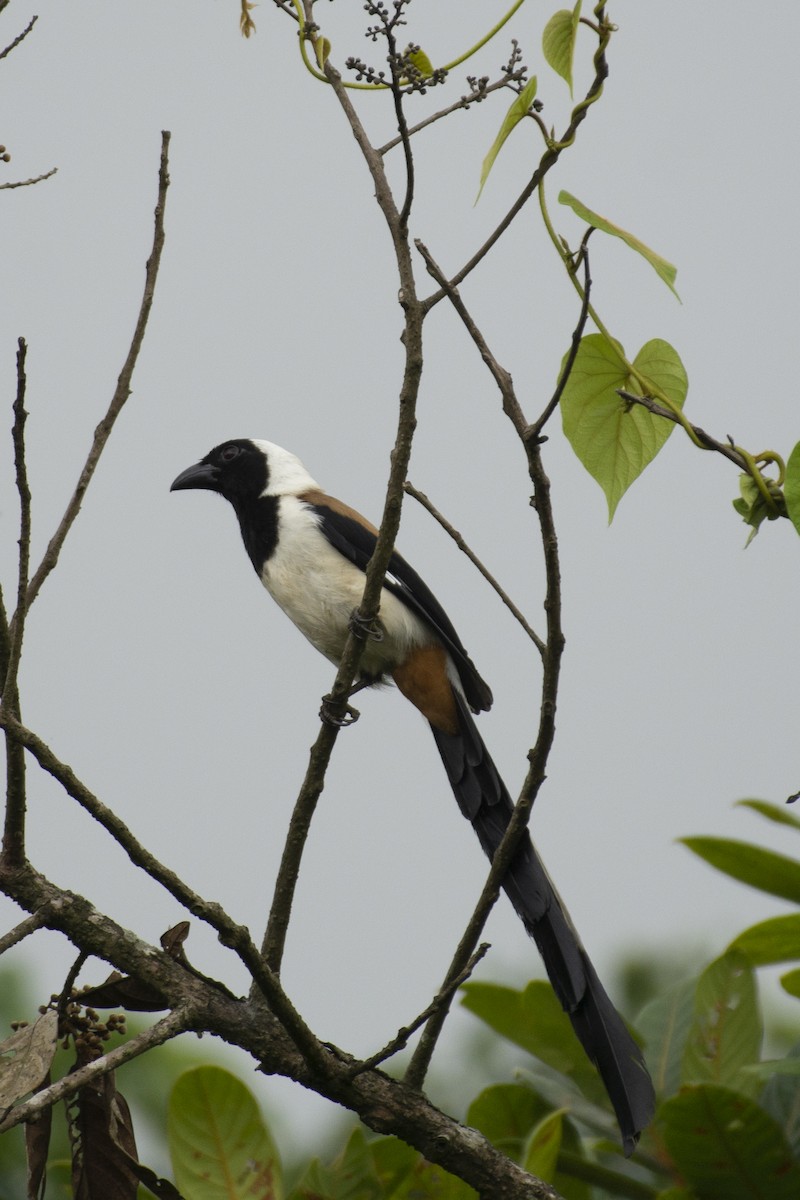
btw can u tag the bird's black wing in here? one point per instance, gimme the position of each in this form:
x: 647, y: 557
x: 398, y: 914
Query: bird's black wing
x: 356, y: 542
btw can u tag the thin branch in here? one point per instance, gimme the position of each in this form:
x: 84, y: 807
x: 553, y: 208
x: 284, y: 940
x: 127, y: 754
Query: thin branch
x: 19, y: 38
x: 230, y: 934
x: 535, y: 430
x: 476, y: 562
x: 17, y: 628
x: 13, y: 850
x: 28, y: 182
x: 502, y: 378
x: 305, y: 806
x: 724, y: 448
x: 37, y: 920
x: 5, y: 640
x: 121, y: 392
x: 384, y: 1104
x: 547, y: 161
x: 501, y: 861
x: 442, y: 997
x: 464, y: 103
x: 169, y: 1027
x: 551, y: 661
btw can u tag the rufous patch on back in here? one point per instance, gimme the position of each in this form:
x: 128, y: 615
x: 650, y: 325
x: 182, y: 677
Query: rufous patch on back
x: 423, y: 680
x: 323, y: 500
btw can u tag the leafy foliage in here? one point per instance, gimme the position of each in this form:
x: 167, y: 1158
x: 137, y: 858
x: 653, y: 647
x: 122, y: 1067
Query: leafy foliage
x: 520, y: 108
x: 558, y: 41
x: 613, y: 440
x: 665, y: 270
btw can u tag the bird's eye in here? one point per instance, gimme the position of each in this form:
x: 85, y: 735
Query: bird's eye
x: 229, y: 453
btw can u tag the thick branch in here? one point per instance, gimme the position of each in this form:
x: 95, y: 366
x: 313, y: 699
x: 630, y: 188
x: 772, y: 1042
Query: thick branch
x: 230, y: 934
x: 384, y: 1104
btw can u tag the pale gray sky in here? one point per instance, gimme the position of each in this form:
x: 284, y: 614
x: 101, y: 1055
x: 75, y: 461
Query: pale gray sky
x: 160, y: 670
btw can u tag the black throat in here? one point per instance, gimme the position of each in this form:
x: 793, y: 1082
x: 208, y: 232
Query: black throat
x: 258, y: 521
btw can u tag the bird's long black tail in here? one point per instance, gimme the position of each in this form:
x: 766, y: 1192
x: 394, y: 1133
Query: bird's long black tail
x: 484, y: 800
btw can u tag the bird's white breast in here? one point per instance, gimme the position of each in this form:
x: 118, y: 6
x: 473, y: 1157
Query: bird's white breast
x: 319, y: 589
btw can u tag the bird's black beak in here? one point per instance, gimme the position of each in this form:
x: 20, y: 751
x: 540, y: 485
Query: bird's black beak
x: 201, y: 475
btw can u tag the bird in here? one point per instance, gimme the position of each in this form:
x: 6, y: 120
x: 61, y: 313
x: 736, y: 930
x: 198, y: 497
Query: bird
x: 310, y: 552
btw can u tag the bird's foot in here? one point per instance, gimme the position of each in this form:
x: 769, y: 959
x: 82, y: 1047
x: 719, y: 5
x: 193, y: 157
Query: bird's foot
x: 332, y: 715
x: 364, y: 630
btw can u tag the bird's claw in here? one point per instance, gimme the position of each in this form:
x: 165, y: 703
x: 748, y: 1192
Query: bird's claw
x: 364, y: 630
x: 330, y: 716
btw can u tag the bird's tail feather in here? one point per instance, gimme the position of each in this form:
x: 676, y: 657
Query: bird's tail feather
x: 484, y: 800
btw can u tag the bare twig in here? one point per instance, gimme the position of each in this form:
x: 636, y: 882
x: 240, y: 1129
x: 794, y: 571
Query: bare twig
x: 476, y: 562
x: 169, y: 1027
x: 277, y: 926
x: 19, y: 38
x: 658, y: 410
x: 28, y: 182
x: 230, y: 934
x: 534, y: 432
x: 16, y: 631
x: 121, y: 392
x: 546, y: 162
x: 444, y: 996
x: 5, y: 640
x: 13, y: 851
x: 465, y: 102
x: 551, y: 661
x: 501, y: 377
x: 551, y: 653
x: 37, y: 920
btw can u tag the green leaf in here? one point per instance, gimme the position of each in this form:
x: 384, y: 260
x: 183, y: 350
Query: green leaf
x: 778, y: 813
x: 725, y: 1145
x: 518, y: 110
x: 509, y: 1113
x: 421, y: 61
x: 506, y: 1113
x: 558, y: 41
x: 379, y: 1169
x: 763, y: 869
x: 403, y: 1174
x: 665, y: 270
x: 218, y: 1141
x: 664, y: 1025
x: 773, y: 941
x: 351, y: 1175
x: 781, y: 1099
x: 615, y: 443
x: 534, y: 1020
x: 791, y: 487
x: 322, y: 50
x: 541, y: 1153
x: 790, y: 982
x: 770, y: 1067
x: 753, y: 506
x: 727, y: 1029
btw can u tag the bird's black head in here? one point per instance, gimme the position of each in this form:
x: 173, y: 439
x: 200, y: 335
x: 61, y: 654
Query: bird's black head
x: 236, y: 470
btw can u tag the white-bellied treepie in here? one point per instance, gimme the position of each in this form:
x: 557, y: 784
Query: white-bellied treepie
x: 310, y: 552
